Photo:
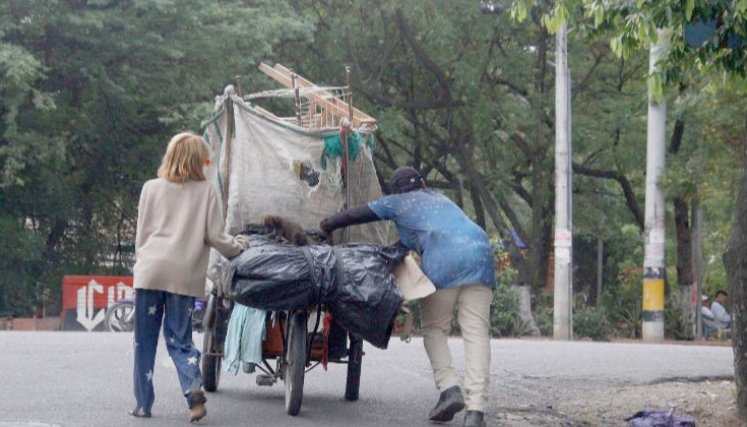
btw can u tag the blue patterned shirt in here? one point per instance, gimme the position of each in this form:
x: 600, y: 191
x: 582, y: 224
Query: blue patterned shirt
x: 455, y: 251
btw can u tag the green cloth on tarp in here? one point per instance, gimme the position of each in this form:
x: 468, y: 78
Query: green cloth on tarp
x: 356, y: 141
x: 246, y: 330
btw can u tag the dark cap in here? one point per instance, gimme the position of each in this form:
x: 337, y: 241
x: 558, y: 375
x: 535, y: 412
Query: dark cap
x: 405, y: 179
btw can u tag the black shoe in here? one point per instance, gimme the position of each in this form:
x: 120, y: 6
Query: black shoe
x: 449, y: 403
x: 474, y: 419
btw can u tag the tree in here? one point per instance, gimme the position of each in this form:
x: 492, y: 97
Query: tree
x: 91, y: 92
x: 718, y: 50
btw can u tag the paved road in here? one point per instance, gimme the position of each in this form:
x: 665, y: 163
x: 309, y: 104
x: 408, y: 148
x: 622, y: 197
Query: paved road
x: 84, y: 379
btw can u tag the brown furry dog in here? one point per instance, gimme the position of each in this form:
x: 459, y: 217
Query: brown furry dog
x: 286, y: 229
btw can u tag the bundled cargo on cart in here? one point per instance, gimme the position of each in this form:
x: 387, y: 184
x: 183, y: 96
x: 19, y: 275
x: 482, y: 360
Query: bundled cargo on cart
x: 354, y: 281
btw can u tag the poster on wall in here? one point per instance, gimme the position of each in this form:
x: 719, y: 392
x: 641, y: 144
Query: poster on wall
x: 86, y: 298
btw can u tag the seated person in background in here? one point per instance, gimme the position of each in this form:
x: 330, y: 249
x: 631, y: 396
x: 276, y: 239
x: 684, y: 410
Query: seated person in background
x: 706, y: 315
x: 720, y: 314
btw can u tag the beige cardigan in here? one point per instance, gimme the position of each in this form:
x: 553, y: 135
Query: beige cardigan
x: 176, y: 226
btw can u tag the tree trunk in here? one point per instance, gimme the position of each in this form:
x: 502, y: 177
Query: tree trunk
x: 735, y: 261
x: 683, y: 232
x: 595, y: 292
x: 542, y: 163
x: 477, y: 204
x: 526, y: 325
x: 684, y: 242
x: 684, y: 258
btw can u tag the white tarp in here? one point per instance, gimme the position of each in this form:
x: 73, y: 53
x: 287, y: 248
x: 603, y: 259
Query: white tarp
x: 266, y: 157
x: 264, y: 180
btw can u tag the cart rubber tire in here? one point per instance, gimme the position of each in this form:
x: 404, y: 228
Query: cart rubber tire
x: 210, y: 364
x: 295, y: 365
x: 115, y: 315
x: 355, y: 362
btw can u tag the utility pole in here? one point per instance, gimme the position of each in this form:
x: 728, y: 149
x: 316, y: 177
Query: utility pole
x: 563, y: 280
x: 653, y: 261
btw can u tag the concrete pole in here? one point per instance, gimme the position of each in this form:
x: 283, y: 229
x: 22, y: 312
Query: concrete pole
x: 653, y: 261
x: 228, y: 143
x: 562, y: 298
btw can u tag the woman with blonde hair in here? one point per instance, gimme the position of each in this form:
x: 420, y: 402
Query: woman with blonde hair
x: 179, y: 220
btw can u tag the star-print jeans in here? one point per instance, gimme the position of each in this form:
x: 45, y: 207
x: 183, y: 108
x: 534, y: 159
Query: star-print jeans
x: 151, y: 307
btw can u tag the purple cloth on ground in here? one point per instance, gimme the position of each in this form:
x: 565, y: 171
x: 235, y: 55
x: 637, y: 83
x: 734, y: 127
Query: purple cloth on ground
x: 648, y: 418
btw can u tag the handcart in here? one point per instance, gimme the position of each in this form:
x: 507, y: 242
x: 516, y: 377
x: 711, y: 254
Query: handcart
x: 321, y: 159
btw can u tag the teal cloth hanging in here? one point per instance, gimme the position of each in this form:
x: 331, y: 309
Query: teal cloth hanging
x: 246, y: 330
x: 333, y: 146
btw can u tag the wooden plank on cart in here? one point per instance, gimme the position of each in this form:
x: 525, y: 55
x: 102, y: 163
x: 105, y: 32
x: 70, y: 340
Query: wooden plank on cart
x: 324, y: 99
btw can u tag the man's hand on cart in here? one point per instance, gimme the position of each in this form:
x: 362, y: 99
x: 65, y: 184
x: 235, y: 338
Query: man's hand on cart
x: 353, y: 216
x: 325, y: 226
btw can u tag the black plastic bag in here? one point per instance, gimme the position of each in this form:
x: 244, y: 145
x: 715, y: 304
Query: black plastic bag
x: 367, y: 299
x: 353, y: 280
x: 276, y: 276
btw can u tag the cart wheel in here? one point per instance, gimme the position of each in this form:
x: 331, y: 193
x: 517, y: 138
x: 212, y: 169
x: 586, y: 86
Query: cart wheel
x: 120, y: 317
x: 211, y: 364
x: 355, y: 361
x: 295, y: 362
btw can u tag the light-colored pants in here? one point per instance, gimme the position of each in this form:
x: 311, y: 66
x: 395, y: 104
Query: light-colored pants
x: 473, y: 303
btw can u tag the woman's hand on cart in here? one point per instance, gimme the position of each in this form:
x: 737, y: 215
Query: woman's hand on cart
x: 241, y: 241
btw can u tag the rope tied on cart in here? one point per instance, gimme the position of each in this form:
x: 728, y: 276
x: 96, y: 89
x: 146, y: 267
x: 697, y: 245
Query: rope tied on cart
x: 338, y: 267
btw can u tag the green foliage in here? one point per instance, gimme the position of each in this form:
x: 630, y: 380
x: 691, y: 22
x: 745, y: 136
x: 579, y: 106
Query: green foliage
x: 622, y: 302
x: 676, y: 324
x: 633, y: 26
x: 591, y: 322
x: 588, y: 321
x: 637, y: 24
x: 22, y: 251
x: 504, y: 312
x: 417, y: 323
x: 543, y: 314
x: 90, y: 92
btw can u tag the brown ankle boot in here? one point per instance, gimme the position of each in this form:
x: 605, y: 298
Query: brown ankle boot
x: 197, y: 408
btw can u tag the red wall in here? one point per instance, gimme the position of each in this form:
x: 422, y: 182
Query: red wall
x: 85, y: 299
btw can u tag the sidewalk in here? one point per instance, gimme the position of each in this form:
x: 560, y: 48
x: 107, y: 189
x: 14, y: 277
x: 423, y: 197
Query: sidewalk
x: 29, y: 324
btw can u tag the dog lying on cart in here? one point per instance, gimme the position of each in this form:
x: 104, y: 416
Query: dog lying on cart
x: 349, y: 289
